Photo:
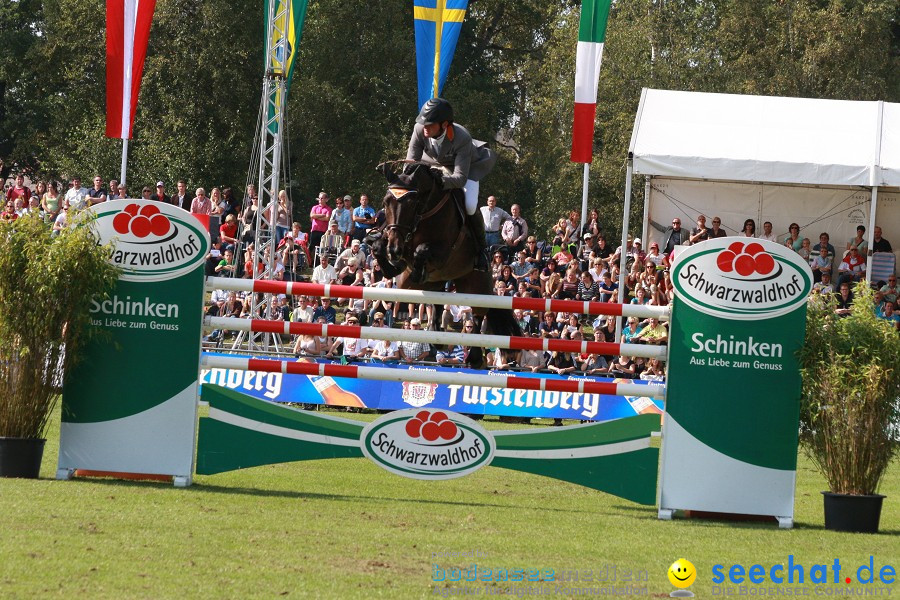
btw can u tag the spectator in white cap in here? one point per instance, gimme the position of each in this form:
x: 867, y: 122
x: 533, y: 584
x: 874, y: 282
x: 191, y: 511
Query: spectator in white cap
x: 637, y: 250
x: 354, y: 252
x: 589, y: 246
x: 160, y: 195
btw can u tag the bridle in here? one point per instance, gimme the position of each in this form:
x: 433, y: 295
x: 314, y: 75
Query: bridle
x: 402, y: 194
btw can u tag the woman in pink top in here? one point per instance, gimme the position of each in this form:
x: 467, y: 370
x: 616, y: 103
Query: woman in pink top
x: 319, y: 216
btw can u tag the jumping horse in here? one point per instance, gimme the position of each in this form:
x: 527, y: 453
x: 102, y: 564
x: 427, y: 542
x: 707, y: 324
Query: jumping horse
x: 425, y: 241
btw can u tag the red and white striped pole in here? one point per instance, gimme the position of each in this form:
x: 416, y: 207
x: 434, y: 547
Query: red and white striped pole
x: 418, y: 296
x: 495, y: 380
x: 435, y: 337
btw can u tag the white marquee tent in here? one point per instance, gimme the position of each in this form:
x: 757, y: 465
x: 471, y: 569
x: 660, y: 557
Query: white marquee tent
x: 828, y: 165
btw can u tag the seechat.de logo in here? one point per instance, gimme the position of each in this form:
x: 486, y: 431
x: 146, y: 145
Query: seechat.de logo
x: 682, y: 575
x: 427, y: 444
x: 739, y: 279
x: 153, y: 241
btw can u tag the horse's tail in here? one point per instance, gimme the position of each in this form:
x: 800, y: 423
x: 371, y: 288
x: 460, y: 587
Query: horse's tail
x: 501, y: 321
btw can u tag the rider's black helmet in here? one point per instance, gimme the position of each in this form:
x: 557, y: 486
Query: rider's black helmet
x: 436, y: 110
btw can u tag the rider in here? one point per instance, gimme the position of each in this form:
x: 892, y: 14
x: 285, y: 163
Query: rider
x: 464, y: 161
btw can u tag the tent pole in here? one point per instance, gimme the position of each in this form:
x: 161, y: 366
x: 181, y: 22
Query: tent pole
x: 625, y: 249
x: 871, y: 231
x: 645, y: 232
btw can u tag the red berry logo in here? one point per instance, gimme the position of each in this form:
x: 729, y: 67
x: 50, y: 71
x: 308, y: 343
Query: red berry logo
x: 745, y: 260
x: 141, y: 222
x: 432, y: 426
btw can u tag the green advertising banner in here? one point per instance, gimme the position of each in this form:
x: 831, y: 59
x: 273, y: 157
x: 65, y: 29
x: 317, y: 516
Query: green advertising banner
x: 130, y: 407
x: 730, y: 433
x: 615, y: 457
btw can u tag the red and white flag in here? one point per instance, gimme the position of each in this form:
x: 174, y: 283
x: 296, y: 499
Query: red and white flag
x: 591, y: 37
x: 127, y: 34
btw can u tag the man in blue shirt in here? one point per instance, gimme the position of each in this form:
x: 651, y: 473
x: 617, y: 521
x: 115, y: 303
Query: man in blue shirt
x: 325, y: 310
x: 890, y: 316
x: 363, y: 218
x: 607, y: 287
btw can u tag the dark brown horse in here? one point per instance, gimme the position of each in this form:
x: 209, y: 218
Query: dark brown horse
x: 425, y: 241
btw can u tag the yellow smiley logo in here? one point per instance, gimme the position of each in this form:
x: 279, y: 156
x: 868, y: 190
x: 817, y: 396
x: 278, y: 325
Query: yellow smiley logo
x: 682, y: 573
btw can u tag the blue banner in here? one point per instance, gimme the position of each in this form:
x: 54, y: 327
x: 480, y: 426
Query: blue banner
x: 437, y: 26
x: 473, y: 400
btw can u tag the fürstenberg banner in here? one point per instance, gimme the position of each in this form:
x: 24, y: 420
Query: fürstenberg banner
x: 466, y: 399
x: 732, y: 402
x: 131, y: 404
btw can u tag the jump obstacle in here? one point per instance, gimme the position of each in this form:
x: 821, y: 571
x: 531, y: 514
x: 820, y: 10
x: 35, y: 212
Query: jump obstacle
x: 615, y: 457
x: 736, y: 324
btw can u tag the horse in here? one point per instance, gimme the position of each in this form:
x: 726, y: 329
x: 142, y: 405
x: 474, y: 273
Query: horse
x: 425, y: 241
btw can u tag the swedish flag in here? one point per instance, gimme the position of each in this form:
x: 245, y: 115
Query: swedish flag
x: 438, y: 23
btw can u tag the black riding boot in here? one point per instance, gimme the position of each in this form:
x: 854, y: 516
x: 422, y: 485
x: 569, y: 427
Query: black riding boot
x: 476, y: 228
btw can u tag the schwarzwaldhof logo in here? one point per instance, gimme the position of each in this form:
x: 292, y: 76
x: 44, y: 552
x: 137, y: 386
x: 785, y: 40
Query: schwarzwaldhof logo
x: 427, y: 444
x: 153, y: 241
x: 741, y: 280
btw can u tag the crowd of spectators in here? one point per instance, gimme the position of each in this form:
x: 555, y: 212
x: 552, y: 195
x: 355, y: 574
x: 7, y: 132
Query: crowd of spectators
x: 570, y: 262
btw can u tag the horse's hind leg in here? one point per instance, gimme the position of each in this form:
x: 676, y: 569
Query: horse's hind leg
x: 497, y: 321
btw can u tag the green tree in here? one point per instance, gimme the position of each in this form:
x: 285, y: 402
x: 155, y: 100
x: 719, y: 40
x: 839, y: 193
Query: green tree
x: 354, y: 94
x: 22, y: 91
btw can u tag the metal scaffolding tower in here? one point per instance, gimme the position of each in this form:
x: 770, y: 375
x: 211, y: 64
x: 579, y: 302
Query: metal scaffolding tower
x: 272, y: 119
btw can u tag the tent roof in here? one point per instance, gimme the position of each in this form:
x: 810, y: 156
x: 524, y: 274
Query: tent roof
x: 766, y: 139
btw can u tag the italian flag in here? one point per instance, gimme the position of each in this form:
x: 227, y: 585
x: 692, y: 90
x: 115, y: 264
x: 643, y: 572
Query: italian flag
x: 591, y: 35
x: 127, y: 35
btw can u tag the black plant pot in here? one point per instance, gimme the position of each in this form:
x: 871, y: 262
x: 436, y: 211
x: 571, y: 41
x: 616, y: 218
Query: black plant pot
x: 21, y: 457
x: 858, y: 514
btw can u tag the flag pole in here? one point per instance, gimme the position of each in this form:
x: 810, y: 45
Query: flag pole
x: 584, y: 203
x: 124, y: 161
x: 626, y: 215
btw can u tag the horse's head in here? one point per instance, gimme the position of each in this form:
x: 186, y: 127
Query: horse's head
x: 408, y: 196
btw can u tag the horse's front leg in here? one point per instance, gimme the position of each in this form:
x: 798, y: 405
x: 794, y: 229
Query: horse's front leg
x: 421, y: 257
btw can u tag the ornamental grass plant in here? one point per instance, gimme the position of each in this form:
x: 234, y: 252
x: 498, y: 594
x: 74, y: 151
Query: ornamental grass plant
x: 46, y: 284
x: 850, y: 400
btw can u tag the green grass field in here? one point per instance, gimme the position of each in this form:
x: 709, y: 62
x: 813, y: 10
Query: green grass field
x: 347, y: 529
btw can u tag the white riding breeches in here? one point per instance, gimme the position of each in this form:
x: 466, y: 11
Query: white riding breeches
x: 471, y: 190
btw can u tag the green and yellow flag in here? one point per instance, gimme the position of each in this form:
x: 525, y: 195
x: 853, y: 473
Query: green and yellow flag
x: 294, y: 32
